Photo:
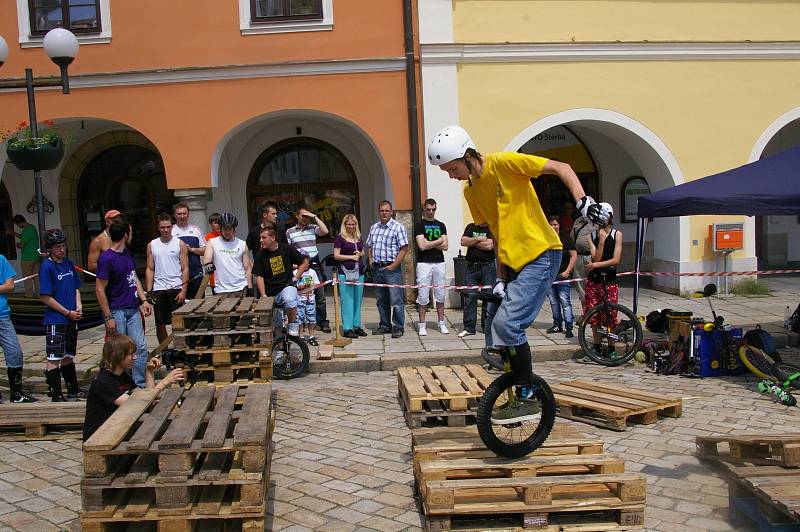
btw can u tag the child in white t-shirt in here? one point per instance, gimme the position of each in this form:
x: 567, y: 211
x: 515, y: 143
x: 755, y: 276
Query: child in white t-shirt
x: 306, y: 305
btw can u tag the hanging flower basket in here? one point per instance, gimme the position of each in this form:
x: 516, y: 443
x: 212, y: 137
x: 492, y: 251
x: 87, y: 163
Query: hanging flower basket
x: 36, y: 157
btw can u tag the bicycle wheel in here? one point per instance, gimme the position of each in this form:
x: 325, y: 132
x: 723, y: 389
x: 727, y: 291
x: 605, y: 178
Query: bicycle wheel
x: 786, y: 372
x: 493, y: 358
x: 625, y: 335
x: 759, y: 363
x: 517, y: 439
x: 290, y: 357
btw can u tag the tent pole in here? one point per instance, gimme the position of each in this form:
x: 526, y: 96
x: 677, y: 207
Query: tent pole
x: 640, y: 232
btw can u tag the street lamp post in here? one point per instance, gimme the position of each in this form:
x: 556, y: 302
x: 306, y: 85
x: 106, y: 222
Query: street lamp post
x: 61, y: 46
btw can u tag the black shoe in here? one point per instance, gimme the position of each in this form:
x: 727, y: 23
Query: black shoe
x: 63, y: 399
x: 325, y: 327
x: 80, y: 393
x: 568, y: 334
x: 554, y: 329
x: 22, y: 397
x: 397, y: 333
x: 379, y: 331
x: 359, y: 331
x: 350, y: 333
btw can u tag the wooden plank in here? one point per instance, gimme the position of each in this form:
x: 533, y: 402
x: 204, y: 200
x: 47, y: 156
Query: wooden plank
x: 468, y: 381
x: 188, y: 307
x: 434, y: 388
x: 139, y: 503
x: 481, y: 375
x: 254, y: 420
x: 623, y: 392
x: 264, y: 304
x: 182, y: 430
x: 217, y: 427
x: 112, y: 432
x: 604, y: 398
x: 152, y: 423
x: 566, y: 400
x: 211, y: 498
x: 244, y: 305
x: 225, y: 306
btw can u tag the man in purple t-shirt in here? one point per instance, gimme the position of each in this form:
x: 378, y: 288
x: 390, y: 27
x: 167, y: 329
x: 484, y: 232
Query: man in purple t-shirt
x: 119, y: 293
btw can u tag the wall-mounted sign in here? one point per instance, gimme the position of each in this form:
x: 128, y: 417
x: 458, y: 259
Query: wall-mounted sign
x: 632, y: 188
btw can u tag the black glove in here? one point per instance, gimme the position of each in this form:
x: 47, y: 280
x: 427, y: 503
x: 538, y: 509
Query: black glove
x: 209, y: 268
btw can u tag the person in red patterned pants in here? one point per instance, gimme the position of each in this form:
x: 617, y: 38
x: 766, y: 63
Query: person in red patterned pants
x: 605, y: 245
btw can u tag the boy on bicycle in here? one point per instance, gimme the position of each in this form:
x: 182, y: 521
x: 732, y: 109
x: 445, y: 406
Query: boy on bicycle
x: 499, y: 193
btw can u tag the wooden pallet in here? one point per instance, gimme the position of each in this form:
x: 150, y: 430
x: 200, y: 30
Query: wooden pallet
x: 42, y: 420
x: 239, y: 366
x: 220, y: 322
x: 766, y: 500
x: 567, y: 484
x: 609, y: 406
x: 207, y: 457
x: 457, y: 443
x: 779, y: 449
x: 441, y: 394
x: 200, y: 522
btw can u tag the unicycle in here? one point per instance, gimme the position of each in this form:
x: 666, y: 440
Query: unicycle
x: 519, y: 438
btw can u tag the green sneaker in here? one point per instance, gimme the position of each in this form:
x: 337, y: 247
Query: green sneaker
x: 522, y: 411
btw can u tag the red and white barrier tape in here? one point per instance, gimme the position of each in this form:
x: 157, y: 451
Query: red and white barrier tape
x: 87, y: 272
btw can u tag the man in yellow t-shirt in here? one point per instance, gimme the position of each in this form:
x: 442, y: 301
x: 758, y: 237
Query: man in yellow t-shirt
x: 499, y: 193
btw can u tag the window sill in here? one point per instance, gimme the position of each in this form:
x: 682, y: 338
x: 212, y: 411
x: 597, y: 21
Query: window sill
x: 262, y: 28
x: 36, y: 41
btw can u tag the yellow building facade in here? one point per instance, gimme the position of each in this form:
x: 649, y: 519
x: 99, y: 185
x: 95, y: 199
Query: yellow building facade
x: 667, y: 91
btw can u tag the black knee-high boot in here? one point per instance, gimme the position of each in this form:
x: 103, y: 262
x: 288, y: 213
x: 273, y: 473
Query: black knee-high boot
x: 71, y: 379
x: 521, y: 366
x: 53, y: 378
x: 15, y: 384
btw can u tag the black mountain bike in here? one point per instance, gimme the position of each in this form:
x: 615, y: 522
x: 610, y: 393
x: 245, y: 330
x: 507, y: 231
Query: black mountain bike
x: 517, y: 439
x: 609, y: 341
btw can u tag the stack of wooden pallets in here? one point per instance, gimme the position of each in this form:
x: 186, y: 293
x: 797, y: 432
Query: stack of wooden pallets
x: 441, y: 394
x: 44, y: 420
x: 183, y: 460
x: 226, y: 339
x: 763, y: 477
x: 568, y: 484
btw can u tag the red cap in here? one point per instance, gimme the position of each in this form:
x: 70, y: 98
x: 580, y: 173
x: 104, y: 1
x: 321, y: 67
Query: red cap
x: 111, y: 214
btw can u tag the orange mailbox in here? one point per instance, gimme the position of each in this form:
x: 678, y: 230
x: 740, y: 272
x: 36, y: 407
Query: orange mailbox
x: 726, y: 237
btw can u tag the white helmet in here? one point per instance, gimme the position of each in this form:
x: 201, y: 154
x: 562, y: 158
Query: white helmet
x: 449, y: 144
x: 606, y: 212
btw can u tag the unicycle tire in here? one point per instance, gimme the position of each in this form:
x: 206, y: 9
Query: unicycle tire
x: 627, y: 330
x: 493, y: 358
x: 519, y: 439
x: 759, y: 363
x: 290, y: 357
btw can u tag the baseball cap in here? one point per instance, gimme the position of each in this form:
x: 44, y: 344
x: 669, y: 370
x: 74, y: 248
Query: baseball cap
x: 111, y: 214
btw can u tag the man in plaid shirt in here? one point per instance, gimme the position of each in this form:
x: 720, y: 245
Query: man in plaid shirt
x: 388, y: 244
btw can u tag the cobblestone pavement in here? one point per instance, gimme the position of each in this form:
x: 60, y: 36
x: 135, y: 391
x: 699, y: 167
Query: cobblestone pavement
x: 343, y: 454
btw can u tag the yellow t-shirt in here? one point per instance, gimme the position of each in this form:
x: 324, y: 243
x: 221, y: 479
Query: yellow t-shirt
x: 504, y: 198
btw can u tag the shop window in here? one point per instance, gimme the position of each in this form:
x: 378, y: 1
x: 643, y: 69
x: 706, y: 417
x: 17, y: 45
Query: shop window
x: 308, y: 172
x: 78, y: 16
x: 279, y: 16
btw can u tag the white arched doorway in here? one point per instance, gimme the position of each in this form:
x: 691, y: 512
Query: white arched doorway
x: 622, y: 148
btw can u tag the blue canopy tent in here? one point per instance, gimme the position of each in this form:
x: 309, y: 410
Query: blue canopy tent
x: 769, y: 186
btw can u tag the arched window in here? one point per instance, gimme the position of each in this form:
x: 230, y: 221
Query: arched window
x: 8, y: 246
x: 303, y: 171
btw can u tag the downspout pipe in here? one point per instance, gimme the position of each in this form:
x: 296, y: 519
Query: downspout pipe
x: 411, y: 96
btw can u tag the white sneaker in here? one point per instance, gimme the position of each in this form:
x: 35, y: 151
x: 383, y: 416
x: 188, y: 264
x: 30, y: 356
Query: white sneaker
x: 464, y: 333
x: 423, y: 329
x: 443, y: 328
x: 294, y: 329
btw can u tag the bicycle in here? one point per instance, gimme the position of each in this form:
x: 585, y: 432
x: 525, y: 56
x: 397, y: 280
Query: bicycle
x: 777, y: 377
x: 516, y: 439
x: 290, y: 354
x: 619, y: 339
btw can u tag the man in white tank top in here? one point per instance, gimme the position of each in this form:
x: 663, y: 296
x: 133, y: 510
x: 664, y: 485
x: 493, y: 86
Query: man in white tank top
x: 167, y: 274
x: 231, y: 262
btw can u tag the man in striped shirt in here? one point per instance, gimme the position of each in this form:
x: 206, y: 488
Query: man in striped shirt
x: 303, y: 237
x: 388, y: 244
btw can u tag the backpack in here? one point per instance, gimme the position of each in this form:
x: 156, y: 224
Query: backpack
x: 657, y: 321
x: 760, y: 339
x: 580, y: 233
